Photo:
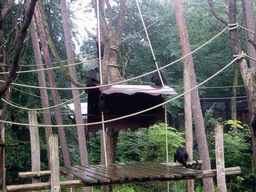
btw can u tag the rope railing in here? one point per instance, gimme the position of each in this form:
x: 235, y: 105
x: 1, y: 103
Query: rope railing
x: 127, y: 80
x: 130, y: 115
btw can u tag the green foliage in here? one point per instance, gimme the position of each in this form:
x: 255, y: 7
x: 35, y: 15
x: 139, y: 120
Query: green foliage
x: 235, y: 123
x: 94, y: 149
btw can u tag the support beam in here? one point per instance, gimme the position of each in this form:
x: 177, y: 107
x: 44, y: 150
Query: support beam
x: 35, y: 145
x: 55, y: 167
x: 79, y: 183
x: 220, y: 163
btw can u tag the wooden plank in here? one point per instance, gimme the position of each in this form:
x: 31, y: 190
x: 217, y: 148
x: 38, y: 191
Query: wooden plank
x: 162, y: 173
x: 84, y: 178
x: 93, y: 175
x: 179, y: 170
x: 79, y: 183
x: 112, y: 172
x: 104, y: 173
x: 135, y: 174
x: 55, y: 167
x: 139, y: 174
x: 177, y: 164
x: 100, y: 173
x: 35, y: 145
x: 34, y: 174
x: 220, y: 164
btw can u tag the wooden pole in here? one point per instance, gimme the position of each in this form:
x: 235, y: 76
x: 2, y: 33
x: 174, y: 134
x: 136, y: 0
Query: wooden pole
x: 187, y: 63
x: 55, y: 167
x: 3, y: 171
x: 220, y: 165
x: 34, y: 141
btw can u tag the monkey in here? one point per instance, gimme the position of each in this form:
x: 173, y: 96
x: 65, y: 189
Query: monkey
x: 91, y: 77
x: 181, y: 156
x: 156, y: 79
x: 102, y: 103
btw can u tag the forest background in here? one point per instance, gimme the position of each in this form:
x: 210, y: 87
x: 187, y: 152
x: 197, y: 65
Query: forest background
x: 136, y: 59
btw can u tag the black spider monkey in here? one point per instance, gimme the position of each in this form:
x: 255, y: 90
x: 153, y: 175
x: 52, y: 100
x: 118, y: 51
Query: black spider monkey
x: 102, y: 103
x: 91, y: 77
x: 156, y: 79
x: 181, y: 156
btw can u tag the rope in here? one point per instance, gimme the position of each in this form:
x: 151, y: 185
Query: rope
x: 101, y: 82
x: 150, y: 45
x: 137, y: 113
x: 240, y: 56
x: 232, y: 26
x: 134, y: 78
x: 46, y: 69
x: 38, y: 109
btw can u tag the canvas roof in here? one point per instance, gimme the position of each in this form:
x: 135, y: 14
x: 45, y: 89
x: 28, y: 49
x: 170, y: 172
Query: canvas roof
x: 132, y: 89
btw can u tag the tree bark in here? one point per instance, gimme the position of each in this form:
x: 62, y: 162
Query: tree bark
x: 248, y: 74
x: 196, y: 106
x: 109, y: 65
x: 78, y: 112
x: 185, y: 47
x: 41, y: 80
x: 52, y: 83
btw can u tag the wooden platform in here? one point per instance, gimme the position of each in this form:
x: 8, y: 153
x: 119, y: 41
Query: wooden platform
x: 118, y: 174
x: 129, y: 173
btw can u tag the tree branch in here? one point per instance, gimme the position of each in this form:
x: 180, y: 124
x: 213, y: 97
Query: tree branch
x: 216, y: 14
x: 19, y: 45
x: 51, y: 44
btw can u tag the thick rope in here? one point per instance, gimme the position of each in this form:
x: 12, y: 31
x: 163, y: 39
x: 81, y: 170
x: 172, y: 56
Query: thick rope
x: 150, y: 45
x: 101, y: 83
x: 134, y: 78
x: 137, y: 113
x: 38, y: 109
x: 46, y: 69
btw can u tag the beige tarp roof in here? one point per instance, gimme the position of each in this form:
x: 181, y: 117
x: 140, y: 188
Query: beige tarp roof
x: 132, y: 89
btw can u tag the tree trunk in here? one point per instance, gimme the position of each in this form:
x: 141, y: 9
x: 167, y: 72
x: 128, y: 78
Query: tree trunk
x: 196, y: 106
x: 52, y: 83
x: 185, y: 47
x: 78, y: 112
x: 248, y: 75
x: 19, y: 46
x: 233, y: 99
x: 43, y: 91
x: 249, y: 21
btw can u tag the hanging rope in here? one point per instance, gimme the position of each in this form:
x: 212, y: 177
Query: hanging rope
x: 101, y: 83
x: 151, y: 48
x: 137, y: 113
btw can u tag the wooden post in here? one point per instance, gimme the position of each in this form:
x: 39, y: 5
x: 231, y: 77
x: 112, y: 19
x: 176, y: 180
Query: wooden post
x: 2, y: 161
x: 55, y: 167
x: 34, y: 142
x: 187, y: 63
x: 220, y: 165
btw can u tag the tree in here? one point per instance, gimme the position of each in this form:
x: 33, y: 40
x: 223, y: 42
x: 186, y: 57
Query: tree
x: 15, y: 63
x: 248, y: 71
x: 196, y: 107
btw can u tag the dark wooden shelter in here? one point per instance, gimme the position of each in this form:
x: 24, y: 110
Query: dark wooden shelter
x: 121, y: 100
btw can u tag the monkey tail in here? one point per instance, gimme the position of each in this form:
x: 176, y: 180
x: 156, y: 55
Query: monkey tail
x: 192, y: 166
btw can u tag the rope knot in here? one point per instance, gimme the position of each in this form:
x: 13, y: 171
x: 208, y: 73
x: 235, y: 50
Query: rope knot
x: 232, y: 26
x: 114, y: 47
x: 240, y: 56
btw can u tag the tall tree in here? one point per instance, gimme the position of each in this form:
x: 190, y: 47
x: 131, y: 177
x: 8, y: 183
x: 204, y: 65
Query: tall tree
x: 185, y: 47
x: 72, y: 69
x: 196, y: 107
x: 248, y: 71
x: 52, y: 83
x: 42, y: 83
x: 110, y: 36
